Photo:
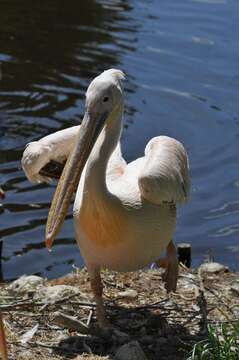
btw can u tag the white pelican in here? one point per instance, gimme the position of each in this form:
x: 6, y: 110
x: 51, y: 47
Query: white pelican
x: 124, y: 215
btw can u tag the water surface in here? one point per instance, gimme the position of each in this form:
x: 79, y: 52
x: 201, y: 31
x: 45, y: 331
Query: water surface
x: 181, y: 60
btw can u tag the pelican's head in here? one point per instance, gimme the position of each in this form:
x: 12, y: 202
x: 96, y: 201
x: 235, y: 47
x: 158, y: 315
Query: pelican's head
x: 105, y: 91
x: 104, y: 97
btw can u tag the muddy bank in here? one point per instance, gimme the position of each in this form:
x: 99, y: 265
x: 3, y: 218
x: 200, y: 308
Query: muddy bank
x: 55, y: 319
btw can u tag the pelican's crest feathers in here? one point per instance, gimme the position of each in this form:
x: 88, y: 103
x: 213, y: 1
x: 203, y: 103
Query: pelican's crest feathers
x: 115, y: 73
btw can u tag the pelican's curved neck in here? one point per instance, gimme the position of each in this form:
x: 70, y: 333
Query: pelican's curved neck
x: 95, y: 177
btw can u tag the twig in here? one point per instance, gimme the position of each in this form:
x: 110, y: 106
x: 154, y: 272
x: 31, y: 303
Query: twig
x: 187, y: 298
x: 113, y: 284
x: 202, y: 304
x: 155, y: 305
x: 53, y: 347
x: 83, y: 304
x: 45, y: 346
x: 17, y: 304
x: 224, y: 314
x: 3, y: 344
x: 62, y: 299
x: 223, y: 321
x: 41, y: 304
x: 70, y: 322
x: 212, y: 291
x: 89, y: 318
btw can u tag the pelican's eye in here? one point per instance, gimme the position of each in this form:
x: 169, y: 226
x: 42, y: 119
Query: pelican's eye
x: 105, y: 99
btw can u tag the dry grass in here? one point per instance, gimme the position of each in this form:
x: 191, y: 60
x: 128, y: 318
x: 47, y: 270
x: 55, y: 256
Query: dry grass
x: 165, y: 326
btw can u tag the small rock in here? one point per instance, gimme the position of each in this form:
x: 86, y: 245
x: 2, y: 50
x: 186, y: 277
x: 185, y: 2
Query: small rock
x: 120, y: 336
x: 122, y: 323
x: 51, y: 294
x: 130, y: 351
x: 72, y: 343
x: 147, y: 339
x: 212, y: 268
x: 235, y: 287
x: 26, y: 284
x: 129, y: 293
x: 161, y: 341
x: 143, y: 331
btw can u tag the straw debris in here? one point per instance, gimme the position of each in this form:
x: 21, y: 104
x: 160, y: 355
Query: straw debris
x: 163, y: 326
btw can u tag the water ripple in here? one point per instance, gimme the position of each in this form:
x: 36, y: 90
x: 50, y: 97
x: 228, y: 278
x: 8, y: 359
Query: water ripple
x: 181, y: 60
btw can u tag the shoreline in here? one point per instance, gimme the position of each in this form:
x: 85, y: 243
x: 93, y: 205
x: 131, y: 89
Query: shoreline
x: 163, y: 326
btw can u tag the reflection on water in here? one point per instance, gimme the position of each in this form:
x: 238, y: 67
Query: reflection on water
x: 182, y: 66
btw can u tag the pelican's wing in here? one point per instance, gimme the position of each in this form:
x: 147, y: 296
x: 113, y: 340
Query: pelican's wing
x: 163, y: 177
x: 54, y: 147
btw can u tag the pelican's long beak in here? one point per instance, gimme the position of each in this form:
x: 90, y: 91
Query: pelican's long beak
x: 90, y: 129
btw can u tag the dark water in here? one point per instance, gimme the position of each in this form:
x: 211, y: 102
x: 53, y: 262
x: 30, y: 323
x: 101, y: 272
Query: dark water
x: 182, y: 62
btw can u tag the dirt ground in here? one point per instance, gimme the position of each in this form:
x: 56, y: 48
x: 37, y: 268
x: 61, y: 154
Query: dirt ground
x: 165, y: 326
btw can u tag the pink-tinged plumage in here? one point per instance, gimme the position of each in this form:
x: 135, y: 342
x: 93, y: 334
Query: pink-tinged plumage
x: 124, y: 214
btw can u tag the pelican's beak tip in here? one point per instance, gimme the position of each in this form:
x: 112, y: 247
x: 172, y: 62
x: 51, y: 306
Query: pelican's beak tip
x: 48, y: 243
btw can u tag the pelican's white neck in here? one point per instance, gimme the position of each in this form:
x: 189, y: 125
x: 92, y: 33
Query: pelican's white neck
x: 95, y: 177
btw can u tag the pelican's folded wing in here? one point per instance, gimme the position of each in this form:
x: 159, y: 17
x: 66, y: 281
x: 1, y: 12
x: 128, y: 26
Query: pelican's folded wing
x: 51, y: 149
x: 164, y: 176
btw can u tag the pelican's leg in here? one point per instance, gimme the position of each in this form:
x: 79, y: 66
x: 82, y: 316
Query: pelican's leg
x: 97, y: 288
x: 170, y: 263
x: 3, y: 344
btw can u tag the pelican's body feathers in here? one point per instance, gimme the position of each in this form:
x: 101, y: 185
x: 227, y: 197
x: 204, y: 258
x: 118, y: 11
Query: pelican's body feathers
x: 146, y: 188
x: 124, y: 214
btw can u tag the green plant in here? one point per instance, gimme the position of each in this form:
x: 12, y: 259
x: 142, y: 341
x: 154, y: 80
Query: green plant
x: 222, y: 343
